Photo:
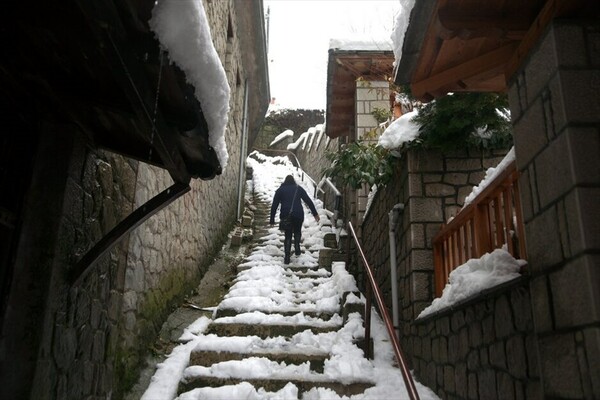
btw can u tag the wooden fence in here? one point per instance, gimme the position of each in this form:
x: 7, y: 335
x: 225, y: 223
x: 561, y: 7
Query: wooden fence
x: 493, y: 219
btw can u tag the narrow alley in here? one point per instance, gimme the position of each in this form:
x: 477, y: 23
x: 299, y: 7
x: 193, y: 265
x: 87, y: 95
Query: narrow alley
x: 278, y: 333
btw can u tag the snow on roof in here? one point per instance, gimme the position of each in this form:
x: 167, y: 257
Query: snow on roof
x: 182, y: 29
x: 360, y: 44
x: 285, y: 134
x: 400, y: 25
x: 401, y: 130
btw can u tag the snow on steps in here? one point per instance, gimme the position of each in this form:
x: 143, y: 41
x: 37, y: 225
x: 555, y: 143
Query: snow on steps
x: 273, y: 340
x: 277, y: 312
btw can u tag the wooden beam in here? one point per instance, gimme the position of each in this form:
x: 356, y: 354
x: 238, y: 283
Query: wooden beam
x: 132, y: 221
x: 475, y: 25
x: 493, y: 59
x: 551, y: 10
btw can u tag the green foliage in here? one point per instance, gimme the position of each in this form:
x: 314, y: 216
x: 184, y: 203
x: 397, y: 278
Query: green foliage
x: 357, y: 164
x: 381, y: 114
x: 297, y: 120
x: 451, y: 122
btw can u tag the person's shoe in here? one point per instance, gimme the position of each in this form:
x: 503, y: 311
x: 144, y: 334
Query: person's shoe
x: 298, y: 252
x: 286, y: 260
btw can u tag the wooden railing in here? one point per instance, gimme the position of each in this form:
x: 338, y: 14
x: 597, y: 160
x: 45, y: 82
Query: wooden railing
x: 373, y: 290
x: 491, y: 220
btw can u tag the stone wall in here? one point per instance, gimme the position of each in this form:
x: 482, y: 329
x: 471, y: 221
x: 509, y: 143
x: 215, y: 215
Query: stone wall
x: 311, y: 154
x: 555, y: 108
x: 312, y: 158
x: 484, y: 348
x: 95, y: 336
x: 308, y: 150
x: 79, y: 332
x: 432, y: 187
x: 169, y: 253
x: 369, y: 96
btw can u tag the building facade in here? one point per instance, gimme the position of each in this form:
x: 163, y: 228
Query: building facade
x: 70, y: 339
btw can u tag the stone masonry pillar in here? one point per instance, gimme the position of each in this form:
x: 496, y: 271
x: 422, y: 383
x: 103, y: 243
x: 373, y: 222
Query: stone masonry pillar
x: 555, y: 108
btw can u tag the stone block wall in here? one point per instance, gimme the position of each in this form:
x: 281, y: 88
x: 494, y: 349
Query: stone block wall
x: 79, y: 332
x: 169, y: 253
x: 369, y: 96
x: 432, y: 186
x: 94, y: 336
x: 312, y: 155
x: 555, y: 107
x: 313, y: 160
x: 484, y: 348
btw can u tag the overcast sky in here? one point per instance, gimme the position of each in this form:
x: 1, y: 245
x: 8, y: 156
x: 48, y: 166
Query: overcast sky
x: 299, y: 34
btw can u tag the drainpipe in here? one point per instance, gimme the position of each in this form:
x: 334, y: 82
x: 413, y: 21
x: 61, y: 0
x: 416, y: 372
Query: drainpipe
x: 394, y: 216
x: 244, y: 148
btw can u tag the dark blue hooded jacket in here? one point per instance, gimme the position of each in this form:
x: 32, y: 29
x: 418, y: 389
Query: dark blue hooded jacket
x: 284, y: 195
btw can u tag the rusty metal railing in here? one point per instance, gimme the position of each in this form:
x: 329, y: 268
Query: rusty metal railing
x: 373, y: 289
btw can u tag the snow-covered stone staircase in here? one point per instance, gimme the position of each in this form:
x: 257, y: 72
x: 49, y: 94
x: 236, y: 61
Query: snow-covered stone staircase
x: 282, y: 330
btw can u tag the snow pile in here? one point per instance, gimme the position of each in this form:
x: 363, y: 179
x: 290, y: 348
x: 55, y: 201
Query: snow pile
x: 265, y: 288
x: 301, y: 139
x: 474, y: 276
x: 401, y: 130
x: 285, y: 134
x: 320, y: 129
x: 351, y: 44
x: 182, y: 29
x: 168, y: 373
x: 490, y: 175
x: 400, y: 25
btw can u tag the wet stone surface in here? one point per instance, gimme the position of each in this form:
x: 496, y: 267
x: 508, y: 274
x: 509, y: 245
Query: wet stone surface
x: 201, y: 302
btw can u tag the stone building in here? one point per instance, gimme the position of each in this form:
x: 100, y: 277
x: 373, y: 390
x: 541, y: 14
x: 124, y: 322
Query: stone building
x: 538, y: 336
x: 113, y: 202
x: 356, y: 86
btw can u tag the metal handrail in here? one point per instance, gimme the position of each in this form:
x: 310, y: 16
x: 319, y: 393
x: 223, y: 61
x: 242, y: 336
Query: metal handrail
x: 373, y: 288
x: 336, y: 192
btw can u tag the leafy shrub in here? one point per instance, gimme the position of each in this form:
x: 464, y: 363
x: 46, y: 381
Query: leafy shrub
x: 465, y: 120
x: 357, y: 163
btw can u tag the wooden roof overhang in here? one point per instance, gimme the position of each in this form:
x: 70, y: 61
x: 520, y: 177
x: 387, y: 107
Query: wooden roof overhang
x: 96, y: 64
x: 474, y: 45
x: 343, y: 69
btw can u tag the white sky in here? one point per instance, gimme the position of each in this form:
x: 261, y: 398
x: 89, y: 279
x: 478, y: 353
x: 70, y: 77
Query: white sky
x: 299, y: 34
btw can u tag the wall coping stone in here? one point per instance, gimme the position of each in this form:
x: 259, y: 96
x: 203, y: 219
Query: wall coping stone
x: 484, y: 295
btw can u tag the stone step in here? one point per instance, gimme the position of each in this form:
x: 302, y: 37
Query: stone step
x: 264, y: 331
x: 206, y: 358
x: 298, y: 269
x: 326, y: 316
x: 273, y: 385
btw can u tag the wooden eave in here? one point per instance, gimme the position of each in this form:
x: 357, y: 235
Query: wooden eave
x: 343, y: 69
x: 472, y: 45
x: 95, y: 64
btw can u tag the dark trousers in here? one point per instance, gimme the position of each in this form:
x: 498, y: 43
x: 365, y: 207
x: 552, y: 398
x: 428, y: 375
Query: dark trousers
x: 296, y: 230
